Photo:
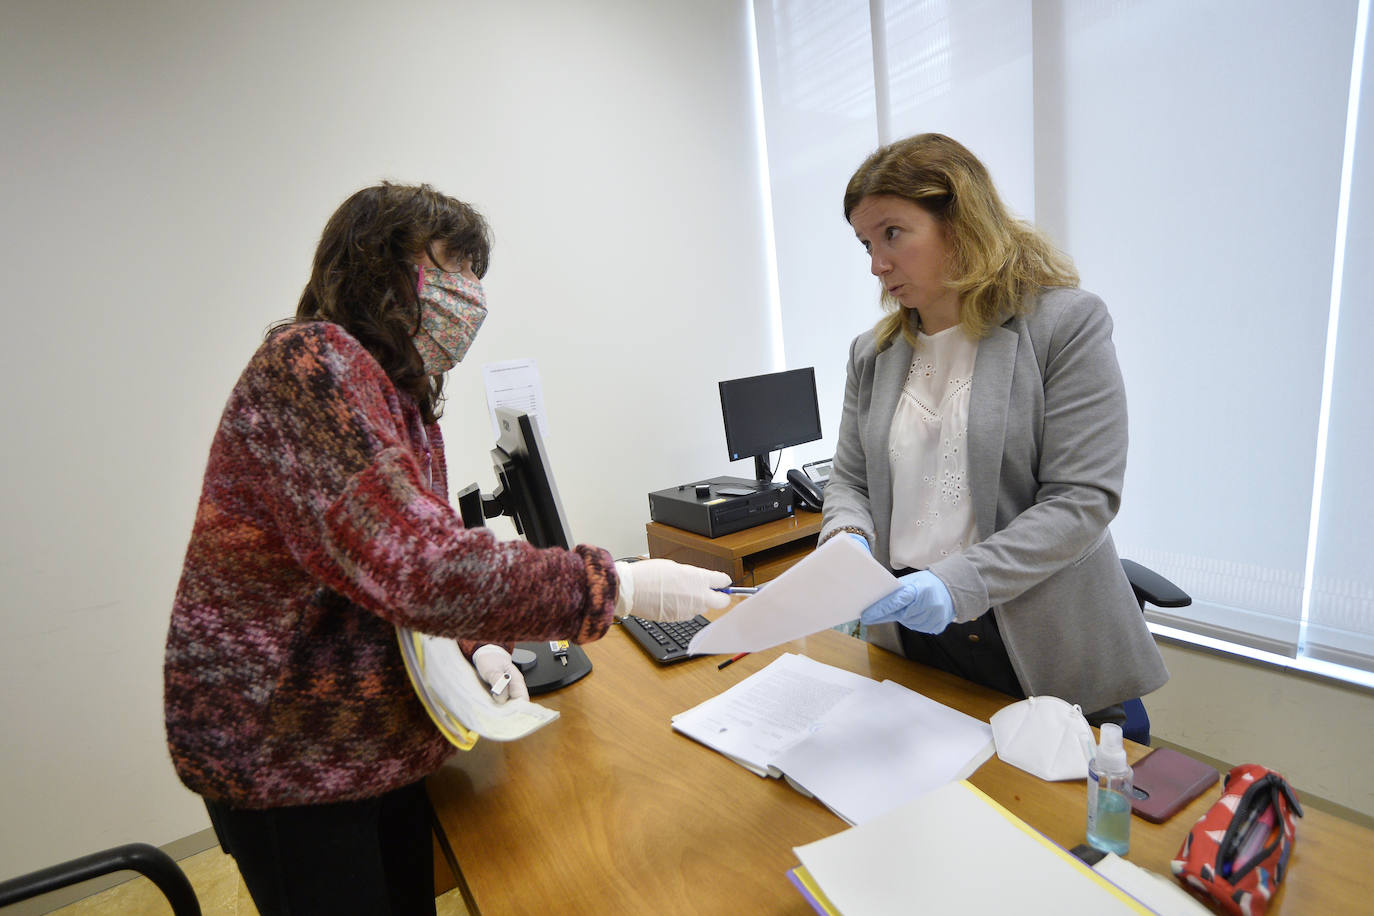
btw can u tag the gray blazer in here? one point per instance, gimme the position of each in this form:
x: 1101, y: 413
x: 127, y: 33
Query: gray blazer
x: 1047, y: 454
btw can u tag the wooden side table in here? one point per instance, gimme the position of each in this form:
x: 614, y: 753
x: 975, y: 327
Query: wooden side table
x: 750, y: 557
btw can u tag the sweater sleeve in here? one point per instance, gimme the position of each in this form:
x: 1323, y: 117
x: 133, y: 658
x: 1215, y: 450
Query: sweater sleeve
x: 323, y: 431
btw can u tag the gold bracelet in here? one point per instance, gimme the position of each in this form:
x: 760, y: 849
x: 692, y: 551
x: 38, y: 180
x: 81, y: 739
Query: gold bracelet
x: 846, y: 528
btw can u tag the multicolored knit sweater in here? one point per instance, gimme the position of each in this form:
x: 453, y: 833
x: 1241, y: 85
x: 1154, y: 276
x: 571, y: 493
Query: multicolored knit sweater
x: 316, y: 535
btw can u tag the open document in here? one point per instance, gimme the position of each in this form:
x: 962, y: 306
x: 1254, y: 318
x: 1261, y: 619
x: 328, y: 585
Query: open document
x: 829, y: 587
x: 457, y: 700
x: 860, y: 746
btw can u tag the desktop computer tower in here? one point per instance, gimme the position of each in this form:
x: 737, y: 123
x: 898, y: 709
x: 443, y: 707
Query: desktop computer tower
x: 721, y: 505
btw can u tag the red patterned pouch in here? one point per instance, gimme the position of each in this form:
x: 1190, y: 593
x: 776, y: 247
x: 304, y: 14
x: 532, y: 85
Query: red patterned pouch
x: 1237, y: 853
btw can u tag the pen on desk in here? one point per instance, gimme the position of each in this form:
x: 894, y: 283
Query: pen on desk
x: 731, y: 661
x: 739, y: 590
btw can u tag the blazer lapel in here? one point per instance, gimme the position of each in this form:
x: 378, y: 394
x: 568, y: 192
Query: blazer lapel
x: 989, y: 400
x: 889, y: 375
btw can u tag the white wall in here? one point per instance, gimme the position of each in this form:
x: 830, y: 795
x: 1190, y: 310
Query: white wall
x: 167, y: 170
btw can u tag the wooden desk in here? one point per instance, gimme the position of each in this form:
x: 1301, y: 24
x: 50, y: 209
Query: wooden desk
x: 609, y: 811
x: 750, y: 557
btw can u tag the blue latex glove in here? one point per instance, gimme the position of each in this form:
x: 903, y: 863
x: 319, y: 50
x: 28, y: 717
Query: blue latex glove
x: 921, y: 602
x: 862, y: 540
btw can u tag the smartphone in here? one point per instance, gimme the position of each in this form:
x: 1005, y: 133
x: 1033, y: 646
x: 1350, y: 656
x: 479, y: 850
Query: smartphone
x: 1165, y: 781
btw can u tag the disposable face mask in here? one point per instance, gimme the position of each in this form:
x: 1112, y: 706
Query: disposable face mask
x: 452, y: 309
x: 1044, y: 736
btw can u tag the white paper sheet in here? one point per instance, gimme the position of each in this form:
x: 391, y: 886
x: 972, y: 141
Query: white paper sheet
x: 909, y: 744
x: 954, y: 850
x: 831, y: 586
x: 1163, y: 895
x: 514, y: 384
x: 753, y: 721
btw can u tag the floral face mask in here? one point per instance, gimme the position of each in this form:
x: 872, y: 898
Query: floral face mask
x: 452, y: 309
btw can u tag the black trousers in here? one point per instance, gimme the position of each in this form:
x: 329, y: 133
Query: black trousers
x: 975, y: 651
x: 372, y: 857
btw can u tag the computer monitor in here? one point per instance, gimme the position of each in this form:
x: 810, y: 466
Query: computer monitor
x: 765, y: 413
x: 527, y: 493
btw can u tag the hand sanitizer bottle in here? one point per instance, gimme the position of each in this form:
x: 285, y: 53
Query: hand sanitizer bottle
x: 1109, y: 794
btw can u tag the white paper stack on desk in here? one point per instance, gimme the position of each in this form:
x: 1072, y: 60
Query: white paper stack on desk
x: 860, y: 746
x: 954, y: 850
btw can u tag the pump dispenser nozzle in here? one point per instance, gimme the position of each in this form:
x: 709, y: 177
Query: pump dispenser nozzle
x: 1111, y: 755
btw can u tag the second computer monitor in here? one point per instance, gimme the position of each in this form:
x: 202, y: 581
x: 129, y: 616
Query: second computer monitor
x: 765, y: 413
x: 528, y: 494
x: 521, y: 462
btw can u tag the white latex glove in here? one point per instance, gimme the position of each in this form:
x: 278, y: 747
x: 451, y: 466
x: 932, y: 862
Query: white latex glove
x: 667, y: 591
x: 491, y: 663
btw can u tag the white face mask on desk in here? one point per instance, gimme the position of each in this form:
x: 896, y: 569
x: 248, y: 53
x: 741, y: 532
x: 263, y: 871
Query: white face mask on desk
x: 1044, y: 736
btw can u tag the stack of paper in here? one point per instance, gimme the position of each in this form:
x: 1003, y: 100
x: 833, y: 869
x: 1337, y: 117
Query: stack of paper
x: 954, y: 850
x: 861, y: 747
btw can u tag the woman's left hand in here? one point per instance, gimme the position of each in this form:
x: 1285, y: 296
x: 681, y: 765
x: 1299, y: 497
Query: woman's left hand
x: 921, y: 602
x: 493, y: 662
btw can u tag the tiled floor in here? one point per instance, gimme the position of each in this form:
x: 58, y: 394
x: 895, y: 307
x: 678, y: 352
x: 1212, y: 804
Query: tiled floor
x: 218, y: 887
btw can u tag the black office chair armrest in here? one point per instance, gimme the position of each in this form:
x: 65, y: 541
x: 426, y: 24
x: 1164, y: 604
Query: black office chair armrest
x: 1152, y: 588
x: 147, y: 860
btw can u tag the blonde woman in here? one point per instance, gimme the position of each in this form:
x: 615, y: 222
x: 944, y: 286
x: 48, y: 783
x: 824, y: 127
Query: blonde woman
x: 983, y: 442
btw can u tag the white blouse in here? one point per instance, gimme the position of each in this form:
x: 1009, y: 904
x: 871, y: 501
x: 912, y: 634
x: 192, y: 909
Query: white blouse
x: 932, y: 514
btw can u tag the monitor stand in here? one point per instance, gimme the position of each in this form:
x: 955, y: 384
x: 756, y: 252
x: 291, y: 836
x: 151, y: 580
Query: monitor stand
x: 547, y: 673
x: 763, y: 468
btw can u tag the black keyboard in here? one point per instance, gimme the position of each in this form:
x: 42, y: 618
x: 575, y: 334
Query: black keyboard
x: 665, y: 642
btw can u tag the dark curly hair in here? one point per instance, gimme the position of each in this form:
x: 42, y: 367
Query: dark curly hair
x: 363, y: 278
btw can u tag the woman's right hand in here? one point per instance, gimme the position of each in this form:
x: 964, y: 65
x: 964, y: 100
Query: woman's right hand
x: 666, y: 591
x: 921, y: 602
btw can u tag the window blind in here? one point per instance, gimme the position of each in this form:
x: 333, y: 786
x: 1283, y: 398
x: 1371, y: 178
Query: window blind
x: 1203, y: 165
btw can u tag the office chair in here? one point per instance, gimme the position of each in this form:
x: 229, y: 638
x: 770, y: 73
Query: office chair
x: 149, y: 861
x: 1150, y: 588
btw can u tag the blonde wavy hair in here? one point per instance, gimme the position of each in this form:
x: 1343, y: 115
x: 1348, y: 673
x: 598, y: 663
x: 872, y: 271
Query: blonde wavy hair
x: 997, y: 260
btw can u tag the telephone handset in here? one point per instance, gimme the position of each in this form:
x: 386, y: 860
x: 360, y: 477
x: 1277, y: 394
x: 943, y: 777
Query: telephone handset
x: 808, y: 484
x: 807, y: 494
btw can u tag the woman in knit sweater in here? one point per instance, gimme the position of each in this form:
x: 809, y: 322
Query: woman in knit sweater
x: 323, y: 524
